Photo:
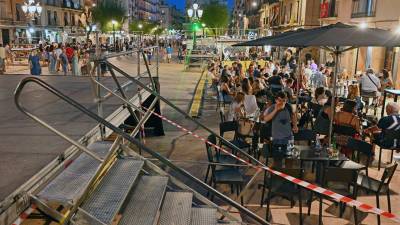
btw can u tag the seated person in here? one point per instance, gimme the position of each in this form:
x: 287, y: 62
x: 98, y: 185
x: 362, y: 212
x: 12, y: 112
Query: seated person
x: 354, y: 94
x: 275, y: 82
x: 236, y: 107
x: 347, y: 117
x: 288, y: 88
x: 389, y: 122
x: 319, y: 96
x: 226, y: 91
x: 284, y: 123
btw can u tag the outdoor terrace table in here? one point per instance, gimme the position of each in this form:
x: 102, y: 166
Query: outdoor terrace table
x: 396, y: 93
x: 308, y: 153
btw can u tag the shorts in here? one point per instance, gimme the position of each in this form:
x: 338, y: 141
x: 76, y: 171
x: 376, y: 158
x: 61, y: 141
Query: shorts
x: 169, y: 56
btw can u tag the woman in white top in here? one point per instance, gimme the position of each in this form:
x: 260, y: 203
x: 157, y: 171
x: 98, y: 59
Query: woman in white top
x: 235, y: 108
x: 250, y: 101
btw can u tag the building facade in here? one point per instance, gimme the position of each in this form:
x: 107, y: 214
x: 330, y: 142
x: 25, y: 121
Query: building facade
x: 59, y: 21
x: 171, y: 17
x: 148, y: 10
x: 381, y: 14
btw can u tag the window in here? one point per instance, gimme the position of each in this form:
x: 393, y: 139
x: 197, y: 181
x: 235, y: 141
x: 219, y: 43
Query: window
x: 328, y: 8
x: 65, y: 19
x: 49, y: 20
x: 19, y: 12
x: 55, y: 18
x: 363, y: 8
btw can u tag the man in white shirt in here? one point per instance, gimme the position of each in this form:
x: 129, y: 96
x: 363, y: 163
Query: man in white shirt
x: 2, y: 59
x: 308, y: 73
x: 370, y: 83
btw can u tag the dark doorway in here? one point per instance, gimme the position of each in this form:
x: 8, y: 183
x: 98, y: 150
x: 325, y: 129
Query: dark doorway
x: 5, y: 34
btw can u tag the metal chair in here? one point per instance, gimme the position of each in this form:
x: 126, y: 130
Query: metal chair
x: 344, y: 130
x: 232, y: 126
x: 231, y: 176
x: 348, y: 177
x: 222, y: 114
x: 305, y: 135
x: 359, y: 147
x: 219, y: 158
x: 378, y: 186
x: 278, y: 186
x: 389, y: 136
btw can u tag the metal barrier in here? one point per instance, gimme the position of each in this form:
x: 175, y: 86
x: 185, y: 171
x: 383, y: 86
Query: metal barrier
x: 126, y: 136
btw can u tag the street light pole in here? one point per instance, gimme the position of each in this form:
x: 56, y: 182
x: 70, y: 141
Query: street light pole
x: 194, y: 14
x: 113, y: 27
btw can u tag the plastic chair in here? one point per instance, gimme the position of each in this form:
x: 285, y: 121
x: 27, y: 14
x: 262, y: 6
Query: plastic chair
x: 378, y: 186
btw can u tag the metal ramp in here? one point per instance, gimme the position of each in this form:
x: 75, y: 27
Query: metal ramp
x: 106, y: 200
x: 204, y: 216
x: 143, y: 206
x: 71, y: 182
x: 176, y: 208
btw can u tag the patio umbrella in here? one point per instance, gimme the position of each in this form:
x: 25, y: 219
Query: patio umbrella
x: 336, y: 38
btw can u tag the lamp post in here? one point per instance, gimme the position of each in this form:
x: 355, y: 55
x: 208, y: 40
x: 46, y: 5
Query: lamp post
x: 204, y: 26
x: 113, y: 22
x: 194, y: 14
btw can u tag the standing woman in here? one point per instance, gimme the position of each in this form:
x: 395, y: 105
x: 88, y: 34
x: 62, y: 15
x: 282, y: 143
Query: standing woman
x: 34, y: 63
x: 75, y: 64
x: 52, y: 59
x: 386, y: 81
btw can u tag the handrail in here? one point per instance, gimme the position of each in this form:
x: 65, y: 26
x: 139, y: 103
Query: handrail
x: 59, y: 133
x: 155, y: 154
x: 226, y: 142
x: 111, y: 55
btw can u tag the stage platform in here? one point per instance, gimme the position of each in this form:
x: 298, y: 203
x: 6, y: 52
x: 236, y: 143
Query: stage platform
x: 25, y: 146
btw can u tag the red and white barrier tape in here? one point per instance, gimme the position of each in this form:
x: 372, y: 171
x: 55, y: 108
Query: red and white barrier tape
x: 309, y: 186
x: 24, y: 215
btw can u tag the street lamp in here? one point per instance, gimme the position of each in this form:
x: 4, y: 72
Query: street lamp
x: 113, y: 22
x: 32, y: 9
x: 204, y: 26
x: 195, y: 13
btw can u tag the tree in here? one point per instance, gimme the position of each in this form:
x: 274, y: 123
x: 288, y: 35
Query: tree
x: 215, y: 16
x: 106, y: 11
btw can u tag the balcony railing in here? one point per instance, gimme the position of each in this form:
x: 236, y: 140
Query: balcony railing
x: 363, y: 8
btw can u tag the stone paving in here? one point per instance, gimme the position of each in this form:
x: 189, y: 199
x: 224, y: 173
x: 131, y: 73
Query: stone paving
x: 190, y: 154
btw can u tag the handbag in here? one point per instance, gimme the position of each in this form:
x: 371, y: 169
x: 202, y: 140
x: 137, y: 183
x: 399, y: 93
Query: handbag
x: 245, y: 127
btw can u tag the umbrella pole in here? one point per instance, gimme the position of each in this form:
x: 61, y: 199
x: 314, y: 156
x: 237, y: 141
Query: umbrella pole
x: 299, y: 67
x: 333, y: 103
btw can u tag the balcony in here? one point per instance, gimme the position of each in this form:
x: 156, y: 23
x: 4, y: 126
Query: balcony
x: 363, y: 8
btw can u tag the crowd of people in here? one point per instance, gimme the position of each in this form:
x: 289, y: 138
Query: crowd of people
x: 75, y: 58
x: 289, y: 97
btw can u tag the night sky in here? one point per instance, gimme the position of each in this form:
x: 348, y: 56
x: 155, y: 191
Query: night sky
x: 180, y: 4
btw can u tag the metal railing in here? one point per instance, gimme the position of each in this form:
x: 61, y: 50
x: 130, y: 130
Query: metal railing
x: 124, y: 135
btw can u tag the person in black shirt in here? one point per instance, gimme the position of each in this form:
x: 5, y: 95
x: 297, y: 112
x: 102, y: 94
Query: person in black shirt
x: 391, y: 122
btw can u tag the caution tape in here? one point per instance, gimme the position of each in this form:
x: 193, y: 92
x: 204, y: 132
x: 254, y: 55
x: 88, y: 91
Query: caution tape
x: 24, y: 215
x: 323, y: 191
